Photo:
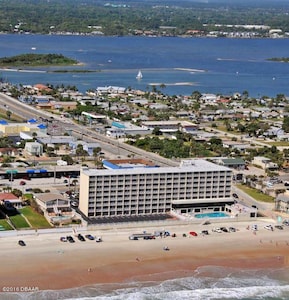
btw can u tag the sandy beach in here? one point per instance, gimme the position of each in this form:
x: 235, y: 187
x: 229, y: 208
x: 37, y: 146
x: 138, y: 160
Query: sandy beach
x: 46, y: 263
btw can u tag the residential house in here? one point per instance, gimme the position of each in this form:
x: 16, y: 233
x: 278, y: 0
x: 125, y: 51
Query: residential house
x: 241, y: 146
x: 88, y: 147
x: 10, y: 201
x: 53, y: 204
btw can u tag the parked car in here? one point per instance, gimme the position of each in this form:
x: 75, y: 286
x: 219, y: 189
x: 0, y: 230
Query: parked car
x: 224, y: 229
x: 21, y: 243
x: 218, y: 230
x: 232, y: 229
x: 280, y: 227
x: 98, y: 239
x: 193, y: 233
x: 89, y: 237
x: 81, y: 237
x: 205, y: 232
x: 74, y: 204
x: 149, y: 237
x: 286, y: 222
x: 22, y: 182
x: 269, y: 227
x: 70, y: 239
x: 63, y: 239
x: 235, y: 195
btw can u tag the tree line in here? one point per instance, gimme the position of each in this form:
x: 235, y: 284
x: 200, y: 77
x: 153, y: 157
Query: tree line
x: 39, y: 16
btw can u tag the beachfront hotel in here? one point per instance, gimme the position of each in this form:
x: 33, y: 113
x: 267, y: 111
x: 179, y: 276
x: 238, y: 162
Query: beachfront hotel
x: 137, y: 189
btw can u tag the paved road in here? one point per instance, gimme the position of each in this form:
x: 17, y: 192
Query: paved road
x: 263, y: 207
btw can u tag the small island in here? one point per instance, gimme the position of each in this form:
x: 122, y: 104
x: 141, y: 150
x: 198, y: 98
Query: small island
x: 36, y: 60
x: 280, y: 59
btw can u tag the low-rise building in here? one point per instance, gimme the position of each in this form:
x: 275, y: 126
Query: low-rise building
x: 264, y: 162
x: 53, y: 204
x: 10, y: 201
x: 34, y: 148
x: 282, y: 202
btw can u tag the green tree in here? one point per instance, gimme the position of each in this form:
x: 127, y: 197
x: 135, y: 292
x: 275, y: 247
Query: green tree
x: 68, y: 159
x: 157, y: 131
x: 8, y: 114
x: 285, y: 125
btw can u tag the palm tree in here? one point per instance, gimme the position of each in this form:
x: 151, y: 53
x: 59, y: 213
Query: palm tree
x: 34, y: 135
x: 96, y: 152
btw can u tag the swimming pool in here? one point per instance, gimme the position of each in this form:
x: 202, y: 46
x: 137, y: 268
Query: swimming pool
x: 212, y: 215
x: 60, y: 218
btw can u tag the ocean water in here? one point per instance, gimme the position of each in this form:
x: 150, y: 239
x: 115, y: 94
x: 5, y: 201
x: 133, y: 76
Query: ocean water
x: 209, y: 282
x: 183, y: 65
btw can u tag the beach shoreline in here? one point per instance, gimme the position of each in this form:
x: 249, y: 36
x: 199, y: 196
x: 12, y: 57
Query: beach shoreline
x: 46, y: 263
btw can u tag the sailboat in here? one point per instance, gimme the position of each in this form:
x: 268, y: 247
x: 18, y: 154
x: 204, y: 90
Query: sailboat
x: 139, y: 75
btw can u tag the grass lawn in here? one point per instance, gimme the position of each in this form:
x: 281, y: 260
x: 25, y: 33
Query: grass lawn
x: 5, y: 225
x: 35, y: 219
x: 257, y: 195
x: 19, y: 222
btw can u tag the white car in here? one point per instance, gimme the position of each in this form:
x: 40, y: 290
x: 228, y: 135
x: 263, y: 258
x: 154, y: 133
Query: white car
x: 98, y: 239
x: 218, y: 230
x: 269, y: 227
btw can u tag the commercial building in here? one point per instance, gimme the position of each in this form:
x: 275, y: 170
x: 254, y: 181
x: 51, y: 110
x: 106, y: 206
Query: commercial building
x: 189, y: 188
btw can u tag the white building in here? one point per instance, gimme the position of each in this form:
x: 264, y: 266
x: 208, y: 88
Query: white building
x: 34, y: 148
x: 264, y: 162
x: 193, y: 185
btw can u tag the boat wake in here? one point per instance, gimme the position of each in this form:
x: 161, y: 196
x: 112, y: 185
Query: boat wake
x: 174, y: 84
x: 190, y: 70
x: 22, y: 70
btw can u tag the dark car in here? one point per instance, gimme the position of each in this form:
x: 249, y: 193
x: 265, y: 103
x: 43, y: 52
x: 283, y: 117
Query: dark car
x: 21, y: 243
x: 232, y: 229
x: 224, y: 229
x: 70, y: 239
x: 205, y: 232
x: 149, y: 237
x: 235, y: 195
x: 279, y: 227
x: 89, y: 237
x: 81, y: 237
